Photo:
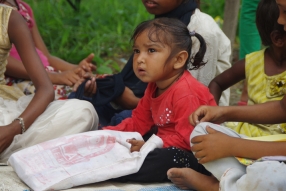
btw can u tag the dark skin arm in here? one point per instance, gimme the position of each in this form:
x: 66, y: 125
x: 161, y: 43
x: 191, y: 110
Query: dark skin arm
x: 127, y: 99
x: 15, y: 68
x: 85, y: 65
x: 56, y: 62
x: 227, y: 79
x: 70, y: 73
x: 213, y: 146
x: 20, y: 36
x: 268, y: 113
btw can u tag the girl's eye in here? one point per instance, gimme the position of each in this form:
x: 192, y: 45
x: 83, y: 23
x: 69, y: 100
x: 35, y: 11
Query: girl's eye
x: 151, y: 50
x: 136, y: 51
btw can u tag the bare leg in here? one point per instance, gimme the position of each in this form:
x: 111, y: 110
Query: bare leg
x: 187, y: 178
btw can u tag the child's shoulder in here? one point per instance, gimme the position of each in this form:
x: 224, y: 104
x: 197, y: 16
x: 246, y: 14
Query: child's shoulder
x: 190, y: 86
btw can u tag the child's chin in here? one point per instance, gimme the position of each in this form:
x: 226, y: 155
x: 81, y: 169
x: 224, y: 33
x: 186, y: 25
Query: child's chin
x: 145, y: 80
x: 142, y: 78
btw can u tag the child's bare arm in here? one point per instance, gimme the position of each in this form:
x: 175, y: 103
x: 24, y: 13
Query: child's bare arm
x: 127, y: 99
x: 268, y: 113
x: 19, y: 34
x: 226, y: 79
x: 216, y: 145
x: 16, y: 69
x: 58, y: 63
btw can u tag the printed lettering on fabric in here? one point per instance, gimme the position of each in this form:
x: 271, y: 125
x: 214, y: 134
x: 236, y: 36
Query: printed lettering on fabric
x: 79, y: 159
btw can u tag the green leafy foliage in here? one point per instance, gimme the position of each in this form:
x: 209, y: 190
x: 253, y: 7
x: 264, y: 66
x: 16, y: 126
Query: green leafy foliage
x: 103, y: 27
x: 213, y: 7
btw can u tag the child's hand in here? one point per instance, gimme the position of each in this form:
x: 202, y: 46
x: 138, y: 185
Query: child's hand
x: 7, y: 135
x: 89, y: 88
x: 135, y: 144
x: 86, y: 64
x: 69, y: 77
x: 212, y: 146
x: 214, y: 114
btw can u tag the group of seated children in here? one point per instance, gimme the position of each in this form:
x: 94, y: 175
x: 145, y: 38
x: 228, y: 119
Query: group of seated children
x: 175, y: 57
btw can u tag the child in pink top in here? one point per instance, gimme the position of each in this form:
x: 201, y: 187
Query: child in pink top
x: 161, y: 54
x: 61, y: 73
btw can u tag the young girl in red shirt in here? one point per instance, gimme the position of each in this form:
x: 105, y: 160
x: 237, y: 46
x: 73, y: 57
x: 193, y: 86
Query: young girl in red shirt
x: 161, y: 54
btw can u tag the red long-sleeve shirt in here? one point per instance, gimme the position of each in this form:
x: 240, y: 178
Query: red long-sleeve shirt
x: 169, y: 111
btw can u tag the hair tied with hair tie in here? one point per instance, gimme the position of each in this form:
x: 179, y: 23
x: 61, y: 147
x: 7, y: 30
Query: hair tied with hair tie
x: 193, y: 33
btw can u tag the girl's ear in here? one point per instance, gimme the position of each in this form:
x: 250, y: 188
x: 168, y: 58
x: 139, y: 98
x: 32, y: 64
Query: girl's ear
x: 277, y: 38
x: 181, y: 59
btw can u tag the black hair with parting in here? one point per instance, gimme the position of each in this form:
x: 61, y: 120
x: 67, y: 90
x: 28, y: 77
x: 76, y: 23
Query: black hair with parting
x: 267, y: 14
x: 173, y: 33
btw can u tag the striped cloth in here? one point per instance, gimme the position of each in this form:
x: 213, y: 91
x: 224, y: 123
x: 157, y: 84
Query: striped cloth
x: 261, y: 88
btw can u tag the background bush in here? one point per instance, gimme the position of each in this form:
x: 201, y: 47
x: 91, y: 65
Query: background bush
x: 103, y: 27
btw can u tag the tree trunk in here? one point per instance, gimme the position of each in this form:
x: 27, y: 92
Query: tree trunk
x: 231, y: 10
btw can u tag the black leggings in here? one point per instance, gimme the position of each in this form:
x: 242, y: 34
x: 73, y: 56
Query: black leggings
x: 159, y: 161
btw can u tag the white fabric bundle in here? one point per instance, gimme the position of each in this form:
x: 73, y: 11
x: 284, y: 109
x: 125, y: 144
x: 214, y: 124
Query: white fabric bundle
x: 80, y: 159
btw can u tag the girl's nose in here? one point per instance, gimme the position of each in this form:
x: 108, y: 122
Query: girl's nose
x: 140, y: 58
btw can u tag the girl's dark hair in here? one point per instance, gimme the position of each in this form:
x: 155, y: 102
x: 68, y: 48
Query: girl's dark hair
x: 267, y: 15
x: 175, y: 34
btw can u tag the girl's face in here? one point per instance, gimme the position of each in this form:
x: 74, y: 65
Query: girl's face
x: 159, y: 7
x: 282, y: 9
x: 150, y: 59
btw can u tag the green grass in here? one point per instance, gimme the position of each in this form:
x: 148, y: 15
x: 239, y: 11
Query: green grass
x: 103, y: 27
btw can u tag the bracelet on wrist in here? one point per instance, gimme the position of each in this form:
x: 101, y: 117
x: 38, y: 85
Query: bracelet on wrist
x: 21, y: 122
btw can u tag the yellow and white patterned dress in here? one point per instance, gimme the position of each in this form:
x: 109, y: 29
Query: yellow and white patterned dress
x: 261, y: 89
x: 6, y: 92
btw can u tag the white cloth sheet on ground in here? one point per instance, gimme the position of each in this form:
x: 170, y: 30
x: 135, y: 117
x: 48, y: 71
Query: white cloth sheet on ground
x: 10, y: 182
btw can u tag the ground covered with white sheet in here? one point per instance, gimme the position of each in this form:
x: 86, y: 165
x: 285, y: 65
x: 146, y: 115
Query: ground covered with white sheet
x: 9, y: 181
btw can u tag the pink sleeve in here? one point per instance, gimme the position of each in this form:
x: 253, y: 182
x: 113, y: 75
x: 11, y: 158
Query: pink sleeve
x: 44, y: 59
x: 26, y: 11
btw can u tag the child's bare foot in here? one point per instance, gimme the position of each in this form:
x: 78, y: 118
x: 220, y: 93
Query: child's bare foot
x: 187, y: 178
x: 180, y: 177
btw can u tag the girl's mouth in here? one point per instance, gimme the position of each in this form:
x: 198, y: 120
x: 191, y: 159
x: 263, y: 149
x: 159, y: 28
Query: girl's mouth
x: 150, y: 4
x: 141, y: 71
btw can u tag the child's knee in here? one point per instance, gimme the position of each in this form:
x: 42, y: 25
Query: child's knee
x: 85, y: 109
x: 200, y: 129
